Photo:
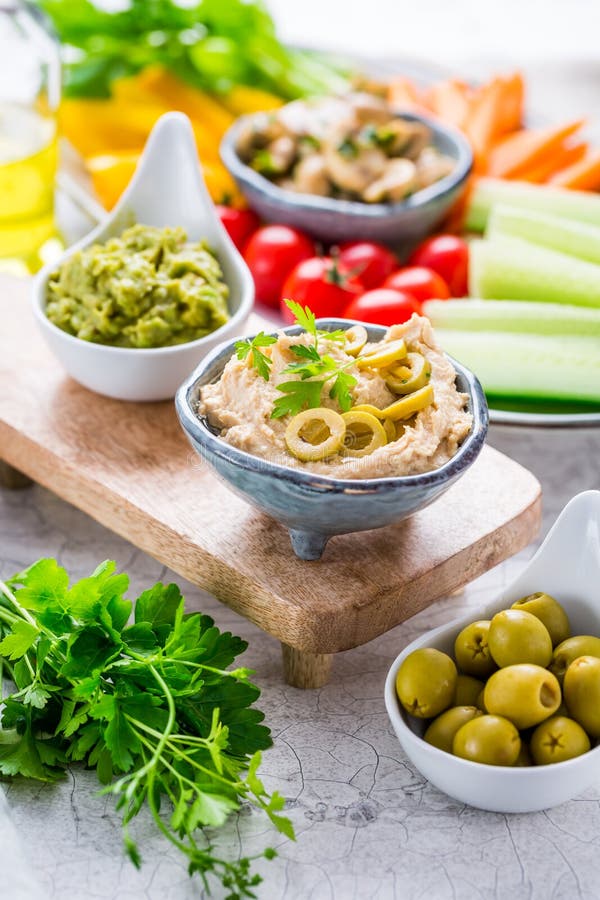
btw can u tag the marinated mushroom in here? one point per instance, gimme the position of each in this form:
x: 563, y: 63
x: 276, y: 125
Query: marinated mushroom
x: 352, y: 147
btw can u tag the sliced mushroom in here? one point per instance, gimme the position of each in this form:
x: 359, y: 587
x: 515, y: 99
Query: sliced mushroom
x: 283, y: 153
x: 398, y: 180
x: 351, y: 165
x: 432, y: 166
x: 310, y: 176
x: 369, y: 109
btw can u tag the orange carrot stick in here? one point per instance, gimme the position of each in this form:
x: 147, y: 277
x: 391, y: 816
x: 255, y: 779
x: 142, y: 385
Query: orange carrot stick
x: 403, y: 94
x: 528, y: 148
x: 450, y: 100
x: 582, y: 176
x: 564, y: 156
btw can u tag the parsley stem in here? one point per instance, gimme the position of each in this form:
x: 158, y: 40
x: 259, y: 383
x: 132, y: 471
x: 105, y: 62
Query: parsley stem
x: 12, y: 599
x: 168, y: 727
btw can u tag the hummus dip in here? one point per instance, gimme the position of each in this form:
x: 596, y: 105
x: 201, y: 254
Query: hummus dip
x: 240, y: 405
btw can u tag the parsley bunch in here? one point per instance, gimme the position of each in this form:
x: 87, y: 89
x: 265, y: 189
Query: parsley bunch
x: 150, y: 705
x: 313, y: 369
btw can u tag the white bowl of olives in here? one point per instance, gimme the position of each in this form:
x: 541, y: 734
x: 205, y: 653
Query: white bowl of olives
x: 502, y: 710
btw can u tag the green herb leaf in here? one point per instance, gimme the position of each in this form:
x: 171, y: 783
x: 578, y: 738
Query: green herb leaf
x: 299, y: 395
x: 340, y: 390
x: 260, y: 361
x: 18, y: 642
x: 304, y: 316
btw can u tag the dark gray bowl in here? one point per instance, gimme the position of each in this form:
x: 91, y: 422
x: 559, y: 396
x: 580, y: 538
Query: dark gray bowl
x: 314, y: 507
x: 332, y: 220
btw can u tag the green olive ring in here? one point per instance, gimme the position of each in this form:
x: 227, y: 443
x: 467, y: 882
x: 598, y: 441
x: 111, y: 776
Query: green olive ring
x: 364, y: 434
x: 304, y: 434
x: 382, y: 355
x: 356, y: 338
x: 410, y: 376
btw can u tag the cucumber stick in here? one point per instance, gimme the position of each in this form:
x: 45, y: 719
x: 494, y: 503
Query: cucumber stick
x: 534, y: 366
x: 565, y: 235
x: 512, y: 316
x: 510, y: 269
x: 581, y: 206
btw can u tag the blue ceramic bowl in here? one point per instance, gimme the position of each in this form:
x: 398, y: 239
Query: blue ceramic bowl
x: 330, y: 220
x: 314, y: 507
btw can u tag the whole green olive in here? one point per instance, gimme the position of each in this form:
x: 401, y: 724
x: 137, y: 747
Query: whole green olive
x: 468, y: 690
x: 569, y: 650
x: 524, y: 757
x: 519, y: 637
x: 526, y: 694
x: 488, y: 739
x: 442, y: 730
x: 426, y: 682
x: 471, y: 650
x: 582, y: 693
x: 549, y: 612
x: 557, y: 739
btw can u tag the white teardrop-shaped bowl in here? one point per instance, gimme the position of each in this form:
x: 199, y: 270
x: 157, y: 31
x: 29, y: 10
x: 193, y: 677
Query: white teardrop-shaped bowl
x: 167, y: 189
x: 567, y: 566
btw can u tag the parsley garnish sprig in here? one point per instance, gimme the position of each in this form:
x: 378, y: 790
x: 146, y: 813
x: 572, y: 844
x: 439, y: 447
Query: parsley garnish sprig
x: 261, y: 362
x: 314, y: 370
x: 152, y: 703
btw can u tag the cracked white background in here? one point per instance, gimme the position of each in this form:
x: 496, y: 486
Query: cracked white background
x: 368, y: 825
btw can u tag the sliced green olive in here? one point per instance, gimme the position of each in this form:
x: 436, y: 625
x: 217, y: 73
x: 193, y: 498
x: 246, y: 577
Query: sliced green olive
x: 410, y: 376
x: 356, y: 338
x: 315, y: 434
x: 364, y: 433
x: 404, y: 408
x: 368, y: 408
x: 382, y: 355
x: 390, y: 430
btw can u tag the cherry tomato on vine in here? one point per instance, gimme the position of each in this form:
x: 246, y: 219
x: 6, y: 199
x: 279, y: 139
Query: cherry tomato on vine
x: 240, y: 224
x: 448, y: 255
x: 322, y: 283
x: 372, y: 262
x: 419, y: 282
x: 383, y: 306
x: 271, y: 254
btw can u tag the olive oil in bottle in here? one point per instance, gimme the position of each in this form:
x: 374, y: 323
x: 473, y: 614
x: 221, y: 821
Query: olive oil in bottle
x: 27, y: 171
x: 29, y: 97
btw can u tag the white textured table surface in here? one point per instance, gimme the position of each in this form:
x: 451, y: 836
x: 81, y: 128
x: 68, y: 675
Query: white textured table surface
x: 367, y: 824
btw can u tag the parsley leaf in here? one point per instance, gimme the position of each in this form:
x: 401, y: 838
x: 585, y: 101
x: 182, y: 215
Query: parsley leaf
x: 304, y: 317
x: 299, y: 395
x: 151, y: 706
x: 340, y: 390
x: 260, y: 361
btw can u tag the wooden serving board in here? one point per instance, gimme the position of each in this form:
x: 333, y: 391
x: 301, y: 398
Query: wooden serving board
x: 130, y: 467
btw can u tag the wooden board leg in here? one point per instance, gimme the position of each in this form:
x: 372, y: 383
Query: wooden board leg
x: 12, y: 478
x: 302, y: 669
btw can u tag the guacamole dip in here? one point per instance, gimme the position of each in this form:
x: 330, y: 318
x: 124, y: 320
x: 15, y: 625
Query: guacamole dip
x: 147, y: 288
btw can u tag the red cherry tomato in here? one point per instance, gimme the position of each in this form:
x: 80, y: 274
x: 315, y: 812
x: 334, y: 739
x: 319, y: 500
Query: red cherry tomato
x: 447, y: 255
x: 240, y: 224
x: 370, y: 261
x: 419, y: 282
x: 271, y: 254
x: 323, y: 284
x: 383, y: 306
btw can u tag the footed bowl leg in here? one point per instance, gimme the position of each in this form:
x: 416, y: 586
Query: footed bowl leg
x: 308, y: 545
